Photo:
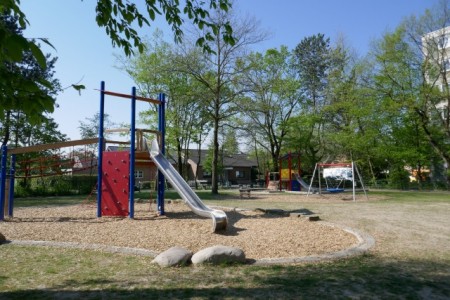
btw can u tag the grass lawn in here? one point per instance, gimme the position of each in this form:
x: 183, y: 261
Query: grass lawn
x: 411, y: 259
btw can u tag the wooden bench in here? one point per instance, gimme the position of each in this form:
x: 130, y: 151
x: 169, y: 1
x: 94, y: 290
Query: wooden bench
x: 244, y: 192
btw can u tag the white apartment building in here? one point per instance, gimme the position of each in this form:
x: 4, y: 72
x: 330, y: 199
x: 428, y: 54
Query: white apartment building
x: 436, y: 53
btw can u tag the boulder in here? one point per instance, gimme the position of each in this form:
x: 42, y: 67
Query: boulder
x: 217, y: 255
x: 175, y: 256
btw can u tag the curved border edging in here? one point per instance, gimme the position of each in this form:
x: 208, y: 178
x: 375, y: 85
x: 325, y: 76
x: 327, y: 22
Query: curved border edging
x: 365, y: 242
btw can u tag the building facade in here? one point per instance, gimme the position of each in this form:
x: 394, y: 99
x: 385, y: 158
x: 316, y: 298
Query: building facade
x: 436, y: 59
x: 237, y: 169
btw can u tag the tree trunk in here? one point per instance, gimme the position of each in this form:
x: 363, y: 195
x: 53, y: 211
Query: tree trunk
x: 179, y: 158
x: 215, y: 161
x: 7, y: 128
x: 217, y: 102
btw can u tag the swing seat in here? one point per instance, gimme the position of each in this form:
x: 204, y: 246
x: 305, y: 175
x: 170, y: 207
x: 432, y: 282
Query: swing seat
x: 335, y: 190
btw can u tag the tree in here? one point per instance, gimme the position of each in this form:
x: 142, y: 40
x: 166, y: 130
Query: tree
x: 25, y: 135
x: 412, y: 83
x: 313, y: 63
x: 27, y: 83
x: 118, y: 18
x: 16, y: 118
x: 427, y: 38
x: 155, y: 71
x: 218, y: 71
x: 349, y: 109
x: 27, y: 92
x: 272, y: 98
x: 230, y: 144
x: 90, y: 128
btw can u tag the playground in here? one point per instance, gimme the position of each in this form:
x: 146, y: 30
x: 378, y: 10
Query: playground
x: 261, y: 234
x: 410, y: 258
x: 116, y: 220
x: 287, y: 227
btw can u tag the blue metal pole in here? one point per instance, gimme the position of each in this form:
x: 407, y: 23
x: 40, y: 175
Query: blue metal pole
x: 3, y: 182
x: 162, y: 146
x: 12, y: 171
x: 132, y: 152
x: 100, y: 150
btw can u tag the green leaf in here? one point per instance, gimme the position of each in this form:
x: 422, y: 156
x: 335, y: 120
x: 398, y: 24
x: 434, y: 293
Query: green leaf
x: 200, y: 42
x: 15, y: 46
x: 78, y: 87
x: 45, y: 83
x: 151, y: 13
x: 215, y: 29
x: 224, y: 6
x: 46, y: 41
x: 38, y: 55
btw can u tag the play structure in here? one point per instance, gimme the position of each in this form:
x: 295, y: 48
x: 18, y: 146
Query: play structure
x: 336, y: 178
x: 115, y: 169
x: 289, y: 176
x: 289, y: 169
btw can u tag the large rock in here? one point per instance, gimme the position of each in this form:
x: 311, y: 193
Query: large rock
x: 219, y: 255
x: 175, y: 256
x: 2, y: 238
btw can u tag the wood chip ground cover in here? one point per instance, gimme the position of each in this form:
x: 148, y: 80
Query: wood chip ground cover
x: 259, y: 235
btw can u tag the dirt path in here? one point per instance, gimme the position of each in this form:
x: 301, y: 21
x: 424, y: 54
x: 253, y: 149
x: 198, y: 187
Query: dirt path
x: 413, y: 230
x: 400, y: 230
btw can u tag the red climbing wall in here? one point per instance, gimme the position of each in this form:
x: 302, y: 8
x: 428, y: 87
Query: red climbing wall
x: 115, y: 183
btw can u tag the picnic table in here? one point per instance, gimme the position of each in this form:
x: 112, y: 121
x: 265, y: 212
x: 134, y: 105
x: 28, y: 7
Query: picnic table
x: 243, y: 192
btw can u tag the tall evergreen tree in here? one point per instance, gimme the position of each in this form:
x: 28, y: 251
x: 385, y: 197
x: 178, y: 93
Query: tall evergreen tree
x: 313, y: 63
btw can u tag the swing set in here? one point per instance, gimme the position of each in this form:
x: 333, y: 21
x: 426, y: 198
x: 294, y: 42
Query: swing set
x: 336, y: 178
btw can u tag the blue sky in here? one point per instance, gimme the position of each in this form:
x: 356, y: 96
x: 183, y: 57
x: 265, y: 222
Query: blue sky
x: 85, y: 52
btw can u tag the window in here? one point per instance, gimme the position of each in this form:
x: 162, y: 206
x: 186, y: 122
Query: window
x: 443, y: 41
x: 447, y: 65
x: 139, y: 174
x: 240, y: 174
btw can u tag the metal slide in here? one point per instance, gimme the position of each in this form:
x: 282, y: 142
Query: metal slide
x: 219, y: 217
x: 304, y: 185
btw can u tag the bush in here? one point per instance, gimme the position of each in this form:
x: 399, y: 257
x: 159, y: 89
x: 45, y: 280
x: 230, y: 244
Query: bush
x: 54, y: 186
x: 398, y: 179
x: 83, y: 184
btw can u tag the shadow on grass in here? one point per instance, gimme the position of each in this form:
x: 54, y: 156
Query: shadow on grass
x: 365, y: 277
